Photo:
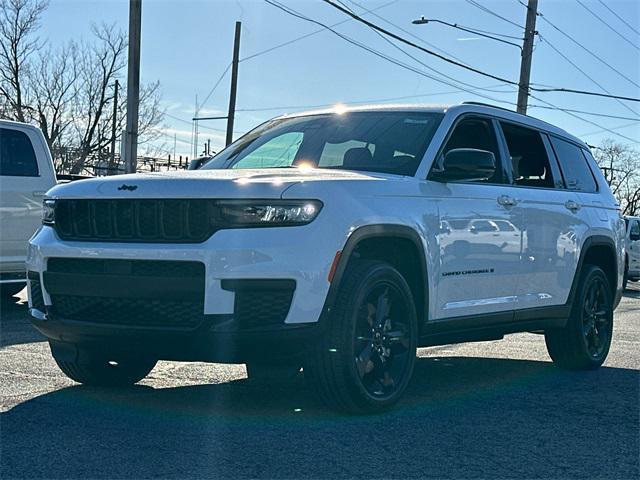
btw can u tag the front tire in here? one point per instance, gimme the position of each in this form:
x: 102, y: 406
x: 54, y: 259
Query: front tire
x: 365, y: 359
x: 583, y: 344
x: 95, y: 368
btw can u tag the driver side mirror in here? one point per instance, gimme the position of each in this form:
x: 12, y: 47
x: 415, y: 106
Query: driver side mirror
x: 467, y: 164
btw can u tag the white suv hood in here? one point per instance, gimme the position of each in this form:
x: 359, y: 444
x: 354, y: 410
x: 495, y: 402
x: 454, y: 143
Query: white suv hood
x: 259, y: 183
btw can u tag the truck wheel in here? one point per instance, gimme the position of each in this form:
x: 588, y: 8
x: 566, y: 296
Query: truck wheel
x: 365, y: 358
x: 625, y: 277
x: 583, y: 344
x: 92, y: 368
x: 267, y: 373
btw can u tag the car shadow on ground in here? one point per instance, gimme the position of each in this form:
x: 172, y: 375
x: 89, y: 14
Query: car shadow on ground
x: 15, y: 329
x: 461, y: 417
x: 632, y: 290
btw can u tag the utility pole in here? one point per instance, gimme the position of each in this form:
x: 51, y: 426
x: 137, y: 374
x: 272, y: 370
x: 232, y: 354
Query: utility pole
x: 133, y: 85
x: 234, y: 84
x: 527, y: 53
x: 114, y: 120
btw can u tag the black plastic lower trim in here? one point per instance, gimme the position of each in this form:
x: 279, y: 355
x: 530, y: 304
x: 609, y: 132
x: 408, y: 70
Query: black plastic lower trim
x: 209, y: 343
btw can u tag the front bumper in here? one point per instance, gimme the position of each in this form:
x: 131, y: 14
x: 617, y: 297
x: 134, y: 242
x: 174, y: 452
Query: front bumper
x: 230, y: 258
x: 207, y: 344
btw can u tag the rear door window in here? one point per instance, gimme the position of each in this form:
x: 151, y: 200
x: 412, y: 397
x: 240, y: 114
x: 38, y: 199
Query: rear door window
x: 17, y: 158
x: 575, y: 170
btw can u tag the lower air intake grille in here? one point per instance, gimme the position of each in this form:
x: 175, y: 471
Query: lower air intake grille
x: 143, y: 293
x: 131, y: 312
x: 260, y: 303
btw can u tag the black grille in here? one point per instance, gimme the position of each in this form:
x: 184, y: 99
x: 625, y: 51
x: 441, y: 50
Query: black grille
x: 149, y: 221
x: 130, y: 311
x: 144, y: 293
x: 260, y: 302
x: 262, y: 308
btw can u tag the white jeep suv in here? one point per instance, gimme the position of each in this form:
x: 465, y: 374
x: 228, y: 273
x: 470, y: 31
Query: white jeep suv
x: 338, y: 242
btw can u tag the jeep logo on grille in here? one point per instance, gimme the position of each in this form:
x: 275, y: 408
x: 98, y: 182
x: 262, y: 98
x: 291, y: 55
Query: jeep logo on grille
x: 129, y: 188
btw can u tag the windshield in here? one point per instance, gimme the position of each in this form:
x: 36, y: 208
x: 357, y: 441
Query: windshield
x: 386, y: 142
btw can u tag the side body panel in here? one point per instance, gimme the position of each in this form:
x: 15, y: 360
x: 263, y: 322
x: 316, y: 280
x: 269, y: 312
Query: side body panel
x: 21, y: 202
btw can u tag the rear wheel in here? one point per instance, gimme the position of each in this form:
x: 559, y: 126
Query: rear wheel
x: 583, y: 344
x: 625, y: 278
x: 91, y: 367
x: 366, y: 357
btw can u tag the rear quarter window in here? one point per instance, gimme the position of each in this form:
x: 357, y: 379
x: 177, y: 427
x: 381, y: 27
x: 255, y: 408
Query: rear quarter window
x: 575, y: 170
x: 17, y: 158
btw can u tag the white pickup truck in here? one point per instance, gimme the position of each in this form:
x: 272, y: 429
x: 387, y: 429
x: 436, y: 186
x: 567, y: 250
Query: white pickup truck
x: 26, y: 173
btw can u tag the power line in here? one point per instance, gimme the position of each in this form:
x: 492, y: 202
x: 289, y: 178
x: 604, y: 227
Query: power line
x: 586, y: 121
x: 382, y: 55
x: 491, y: 12
x: 419, y: 72
x: 607, y: 24
x: 568, y: 60
x: 355, y: 102
x: 573, y: 40
x: 619, y: 127
x: 423, y: 20
x: 428, y: 67
x: 310, y: 34
x: 619, y: 17
x: 475, y: 70
x: 215, y: 85
x: 410, y: 43
x: 603, y: 115
x: 414, y: 36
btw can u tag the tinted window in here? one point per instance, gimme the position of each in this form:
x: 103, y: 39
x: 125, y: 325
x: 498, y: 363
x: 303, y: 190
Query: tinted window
x: 388, y: 142
x: 635, y: 227
x: 279, y: 151
x: 529, y: 157
x: 576, y: 172
x: 476, y: 133
x: 17, y: 158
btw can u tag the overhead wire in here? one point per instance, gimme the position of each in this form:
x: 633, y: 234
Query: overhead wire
x: 384, y: 56
x: 310, y: 34
x: 604, y: 22
x: 409, y: 67
x: 619, y: 17
x: 467, y: 67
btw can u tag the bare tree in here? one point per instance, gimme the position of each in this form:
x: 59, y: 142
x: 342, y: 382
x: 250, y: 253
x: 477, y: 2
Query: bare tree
x: 52, y: 81
x: 68, y: 91
x: 100, y: 63
x: 621, y: 166
x: 19, y: 20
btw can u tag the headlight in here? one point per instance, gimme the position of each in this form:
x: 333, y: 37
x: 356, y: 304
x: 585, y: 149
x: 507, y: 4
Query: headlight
x: 48, y: 212
x: 257, y: 213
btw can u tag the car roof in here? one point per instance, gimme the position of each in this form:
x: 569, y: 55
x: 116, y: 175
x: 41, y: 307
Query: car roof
x: 11, y: 123
x: 458, y: 109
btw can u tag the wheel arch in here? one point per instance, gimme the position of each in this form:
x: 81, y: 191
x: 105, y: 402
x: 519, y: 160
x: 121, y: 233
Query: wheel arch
x: 598, y: 250
x: 400, y: 245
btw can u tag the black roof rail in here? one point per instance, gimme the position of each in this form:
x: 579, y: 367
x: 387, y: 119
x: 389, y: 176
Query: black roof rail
x: 488, y: 105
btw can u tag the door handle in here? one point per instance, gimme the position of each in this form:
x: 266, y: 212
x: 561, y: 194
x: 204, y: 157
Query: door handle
x: 572, y: 205
x: 507, y: 201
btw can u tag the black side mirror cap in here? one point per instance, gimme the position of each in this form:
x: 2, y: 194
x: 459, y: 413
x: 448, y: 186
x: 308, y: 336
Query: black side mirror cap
x: 467, y: 164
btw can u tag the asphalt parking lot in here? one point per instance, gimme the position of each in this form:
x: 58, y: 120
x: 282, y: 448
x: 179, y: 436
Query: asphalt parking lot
x: 492, y: 409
